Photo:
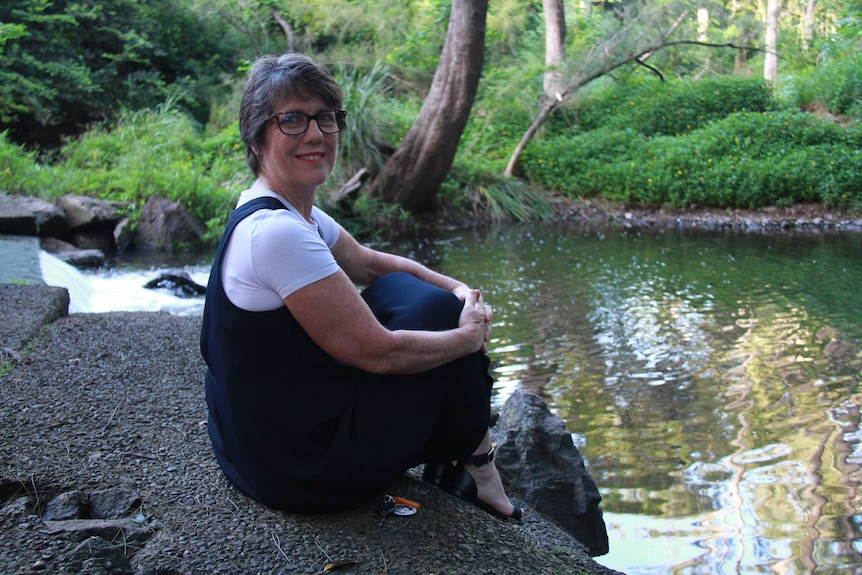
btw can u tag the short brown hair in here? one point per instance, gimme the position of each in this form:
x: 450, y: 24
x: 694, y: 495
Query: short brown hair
x: 273, y: 78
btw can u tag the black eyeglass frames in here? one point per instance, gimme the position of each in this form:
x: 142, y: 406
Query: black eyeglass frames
x: 296, y: 123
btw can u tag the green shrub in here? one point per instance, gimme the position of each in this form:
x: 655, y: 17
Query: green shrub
x: 369, y: 124
x: 156, y: 152
x: 835, y: 84
x: 473, y: 185
x: 671, y: 108
x: 745, y: 160
x: 579, y: 165
x: 502, y: 112
x: 20, y: 171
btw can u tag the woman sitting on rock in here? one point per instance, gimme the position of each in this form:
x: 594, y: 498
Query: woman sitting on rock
x: 320, y: 396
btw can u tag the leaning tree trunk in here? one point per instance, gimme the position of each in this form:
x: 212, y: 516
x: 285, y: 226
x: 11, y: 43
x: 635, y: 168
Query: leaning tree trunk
x: 808, y: 26
x: 770, y: 59
x: 413, y: 174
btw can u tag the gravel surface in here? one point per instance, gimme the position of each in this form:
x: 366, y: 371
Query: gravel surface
x: 97, y: 401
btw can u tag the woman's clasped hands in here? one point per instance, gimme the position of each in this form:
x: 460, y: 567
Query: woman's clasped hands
x: 477, y: 313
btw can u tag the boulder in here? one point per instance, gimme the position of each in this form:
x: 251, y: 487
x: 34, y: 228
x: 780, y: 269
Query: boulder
x: 124, y: 236
x: 31, y: 216
x: 98, y: 555
x: 166, y: 225
x: 541, y: 465
x: 179, y: 283
x: 72, y: 255
x: 92, y: 222
x: 84, y: 212
x: 68, y: 505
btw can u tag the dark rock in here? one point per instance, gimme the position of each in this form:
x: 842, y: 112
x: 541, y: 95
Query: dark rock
x: 67, y: 505
x: 537, y: 458
x: 166, y: 225
x: 179, y: 283
x: 30, y: 216
x: 95, y: 239
x: 18, y: 507
x: 110, y: 529
x: 72, y: 255
x: 96, y: 555
x: 84, y: 212
x: 113, y: 502
x: 26, y: 308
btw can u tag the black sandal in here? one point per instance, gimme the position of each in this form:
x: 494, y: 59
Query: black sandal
x: 458, y: 481
x: 435, y: 472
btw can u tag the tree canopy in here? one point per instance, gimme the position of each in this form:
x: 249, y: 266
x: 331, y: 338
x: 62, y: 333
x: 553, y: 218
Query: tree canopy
x: 67, y: 64
x: 71, y: 67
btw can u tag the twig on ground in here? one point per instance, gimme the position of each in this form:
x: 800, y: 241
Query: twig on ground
x: 277, y: 542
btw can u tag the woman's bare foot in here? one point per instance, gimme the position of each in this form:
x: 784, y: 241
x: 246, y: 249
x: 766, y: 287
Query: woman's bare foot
x: 489, y: 486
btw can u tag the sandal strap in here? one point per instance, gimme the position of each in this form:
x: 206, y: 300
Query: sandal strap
x: 482, y: 458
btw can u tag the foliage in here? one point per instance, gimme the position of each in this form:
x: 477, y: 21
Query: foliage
x: 835, y: 85
x: 747, y: 160
x: 417, y: 53
x: 160, y: 152
x: 368, y: 217
x: 502, y: 109
x: 369, y: 124
x: 158, y: 83
x: 20, y: 171
x: 671, y: 108
x: 66, y: 64
x: 470, y: 188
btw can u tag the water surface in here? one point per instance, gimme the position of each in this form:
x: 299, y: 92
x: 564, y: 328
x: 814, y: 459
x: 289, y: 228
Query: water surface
x: 711, y: 380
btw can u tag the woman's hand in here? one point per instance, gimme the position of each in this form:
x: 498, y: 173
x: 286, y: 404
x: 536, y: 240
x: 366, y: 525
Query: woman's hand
x: 477, y: 313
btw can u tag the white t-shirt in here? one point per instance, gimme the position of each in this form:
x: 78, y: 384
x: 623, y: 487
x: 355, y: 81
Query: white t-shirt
x: 273, y: 253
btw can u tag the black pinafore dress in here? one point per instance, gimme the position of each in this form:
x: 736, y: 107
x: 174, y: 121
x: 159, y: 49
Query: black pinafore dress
x: 297, y: 430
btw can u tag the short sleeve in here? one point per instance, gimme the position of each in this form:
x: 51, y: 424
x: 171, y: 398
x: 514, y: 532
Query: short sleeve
x: 288, y: 254
x: 273, y: 253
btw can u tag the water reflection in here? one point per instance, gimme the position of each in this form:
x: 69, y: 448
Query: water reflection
x: 714, y: 377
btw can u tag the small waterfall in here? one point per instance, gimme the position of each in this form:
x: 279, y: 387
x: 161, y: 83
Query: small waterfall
x: 56, y: 272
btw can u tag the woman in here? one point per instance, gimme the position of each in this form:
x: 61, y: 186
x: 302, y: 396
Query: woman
x: 319, y: 397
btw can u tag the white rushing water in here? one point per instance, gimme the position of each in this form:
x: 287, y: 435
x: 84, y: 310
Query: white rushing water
x: 120, y: 289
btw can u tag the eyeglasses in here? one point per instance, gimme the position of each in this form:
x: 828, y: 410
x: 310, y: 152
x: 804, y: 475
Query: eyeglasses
x: 296, y: 123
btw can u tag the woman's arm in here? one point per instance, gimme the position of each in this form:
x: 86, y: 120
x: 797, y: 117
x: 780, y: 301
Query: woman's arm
x: 364, y: 265
x: 336, y: 317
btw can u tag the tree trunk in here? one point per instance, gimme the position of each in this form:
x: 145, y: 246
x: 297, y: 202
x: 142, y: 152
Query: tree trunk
x: 702, y: 23
x: 555, y: 43
x: 770, y: 59
x: 808, y: 26
x: 413, y: 174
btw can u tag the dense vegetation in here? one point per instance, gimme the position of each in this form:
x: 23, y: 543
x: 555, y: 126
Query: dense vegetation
x: 722, y: 143
x: 123, y: 99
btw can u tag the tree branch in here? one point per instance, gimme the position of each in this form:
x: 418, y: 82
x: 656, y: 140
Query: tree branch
x: 288, y: 30
x: 548, y: 107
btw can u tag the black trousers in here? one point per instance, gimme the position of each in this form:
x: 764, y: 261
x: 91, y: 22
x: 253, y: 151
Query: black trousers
x: 438, y: 415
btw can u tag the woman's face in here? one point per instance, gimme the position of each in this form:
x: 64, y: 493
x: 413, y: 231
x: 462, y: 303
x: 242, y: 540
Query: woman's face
x: 298, y: 164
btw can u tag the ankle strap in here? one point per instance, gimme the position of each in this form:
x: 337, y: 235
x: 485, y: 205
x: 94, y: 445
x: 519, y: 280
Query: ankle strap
x: 481, y: 459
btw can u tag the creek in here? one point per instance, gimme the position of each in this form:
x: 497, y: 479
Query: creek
x: 711, y: 380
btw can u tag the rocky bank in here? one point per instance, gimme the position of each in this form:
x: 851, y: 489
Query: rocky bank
x: 109, y: 411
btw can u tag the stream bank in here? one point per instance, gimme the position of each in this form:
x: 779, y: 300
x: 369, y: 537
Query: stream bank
x: 115, y: 401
